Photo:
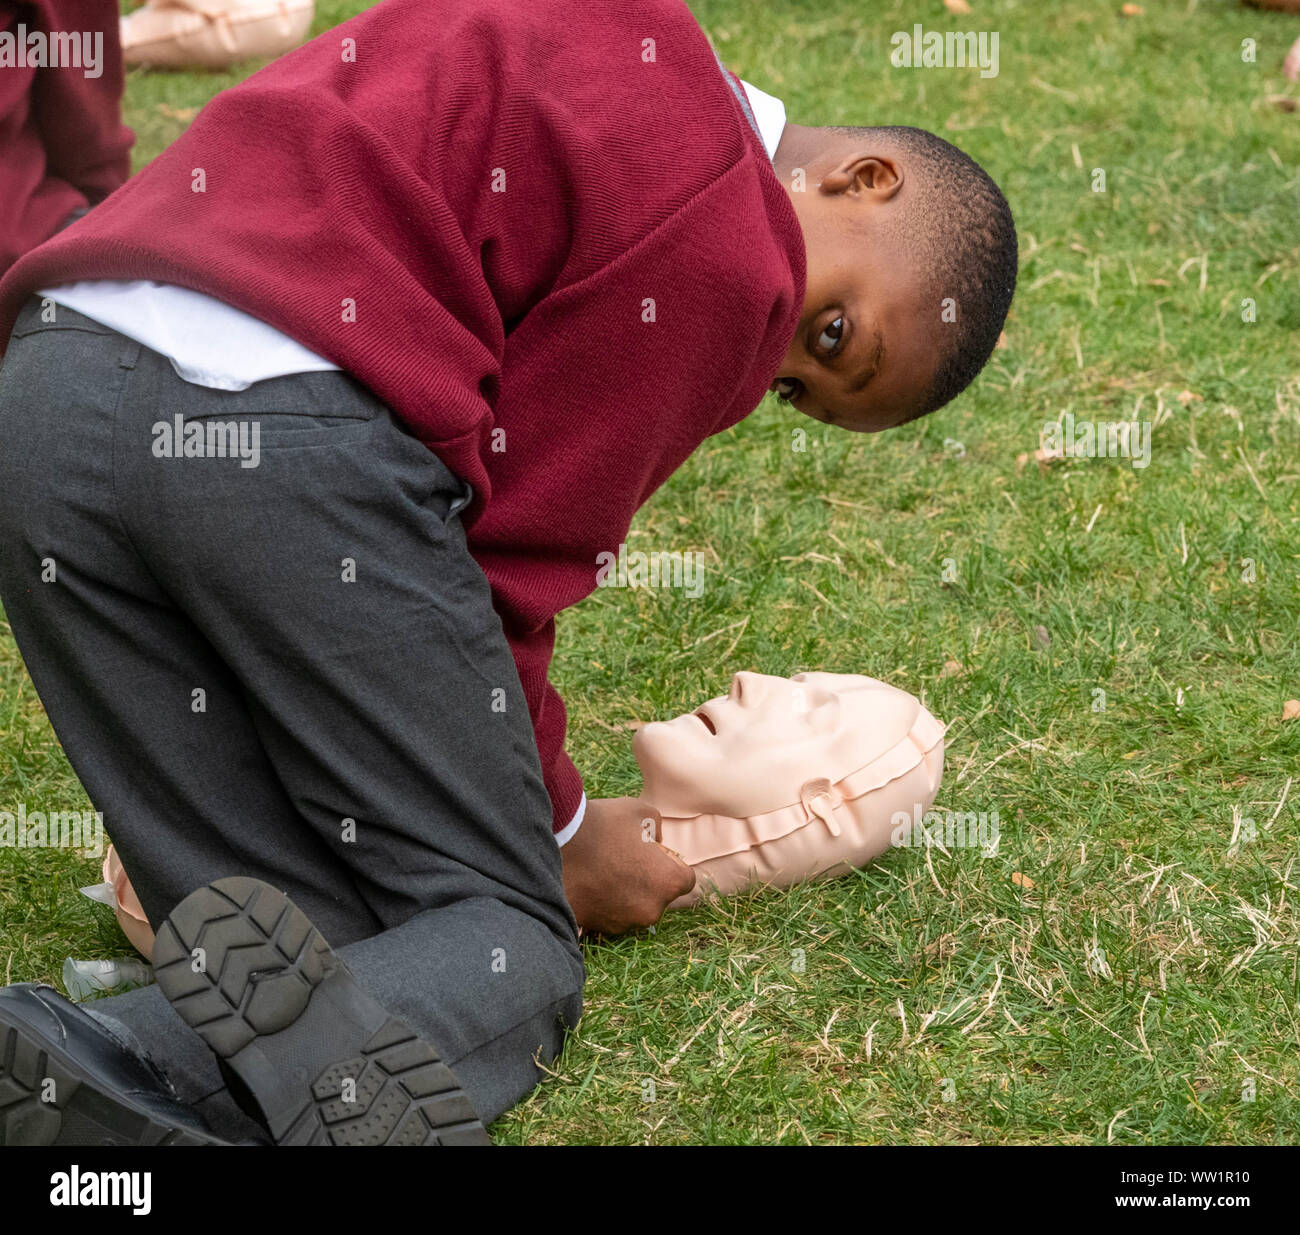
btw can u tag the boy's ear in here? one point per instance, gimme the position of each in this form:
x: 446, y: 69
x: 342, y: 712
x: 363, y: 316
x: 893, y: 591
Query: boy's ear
x: 875, y: 175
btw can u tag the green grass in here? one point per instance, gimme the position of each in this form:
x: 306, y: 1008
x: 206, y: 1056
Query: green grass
x: 918, y: 972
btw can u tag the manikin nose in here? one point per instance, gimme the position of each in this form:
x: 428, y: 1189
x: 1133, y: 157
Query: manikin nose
x: 747, y: 689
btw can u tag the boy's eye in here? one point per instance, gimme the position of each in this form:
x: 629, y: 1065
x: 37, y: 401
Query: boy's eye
x: 830, y: 337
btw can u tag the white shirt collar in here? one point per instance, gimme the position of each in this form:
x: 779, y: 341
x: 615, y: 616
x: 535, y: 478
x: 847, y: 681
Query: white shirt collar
x: 770, y: 114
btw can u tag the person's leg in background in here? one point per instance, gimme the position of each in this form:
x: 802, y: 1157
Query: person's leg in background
x: 290, y: 671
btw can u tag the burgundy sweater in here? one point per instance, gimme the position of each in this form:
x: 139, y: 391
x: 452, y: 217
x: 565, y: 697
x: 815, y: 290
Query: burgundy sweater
x: 558, y: 252
x: 62, y: 141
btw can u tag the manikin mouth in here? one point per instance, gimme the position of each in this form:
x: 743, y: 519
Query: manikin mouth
x: 706, y: 722
x: 787, y: 389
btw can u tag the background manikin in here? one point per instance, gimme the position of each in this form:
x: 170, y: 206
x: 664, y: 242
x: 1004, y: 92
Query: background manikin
x: 787, y: 779
x: 213, y: 34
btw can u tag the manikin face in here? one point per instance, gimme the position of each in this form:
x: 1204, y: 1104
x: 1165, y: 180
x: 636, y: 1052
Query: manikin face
x: 752, y: 750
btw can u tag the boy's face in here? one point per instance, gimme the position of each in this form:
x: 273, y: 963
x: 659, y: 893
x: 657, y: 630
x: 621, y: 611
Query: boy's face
x: 864, y: 356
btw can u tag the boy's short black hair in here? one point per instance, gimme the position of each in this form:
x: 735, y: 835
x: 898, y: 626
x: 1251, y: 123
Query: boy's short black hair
x: 963, y: 230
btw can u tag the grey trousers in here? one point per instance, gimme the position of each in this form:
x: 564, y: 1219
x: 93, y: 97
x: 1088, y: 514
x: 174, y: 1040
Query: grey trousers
x: 285, y: 664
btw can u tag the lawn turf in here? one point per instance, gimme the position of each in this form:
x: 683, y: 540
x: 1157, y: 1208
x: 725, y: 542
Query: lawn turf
x: 1121, y: 970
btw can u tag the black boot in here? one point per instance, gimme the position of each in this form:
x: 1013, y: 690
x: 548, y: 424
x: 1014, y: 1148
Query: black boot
x: 301, y: 1045
x: 66, y: 1080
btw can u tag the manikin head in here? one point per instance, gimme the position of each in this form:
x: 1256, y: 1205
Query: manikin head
x: 911, y: 266
x: 782, y: 779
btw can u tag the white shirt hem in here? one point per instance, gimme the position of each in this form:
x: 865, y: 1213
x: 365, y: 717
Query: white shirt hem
x: 567, y: 833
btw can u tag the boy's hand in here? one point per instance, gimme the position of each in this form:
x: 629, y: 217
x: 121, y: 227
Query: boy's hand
x: 617, y: 875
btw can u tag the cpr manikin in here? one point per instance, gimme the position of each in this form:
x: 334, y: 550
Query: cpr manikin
x: 213, y: 34
x: 788, y: 779
x: 779, y: 781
